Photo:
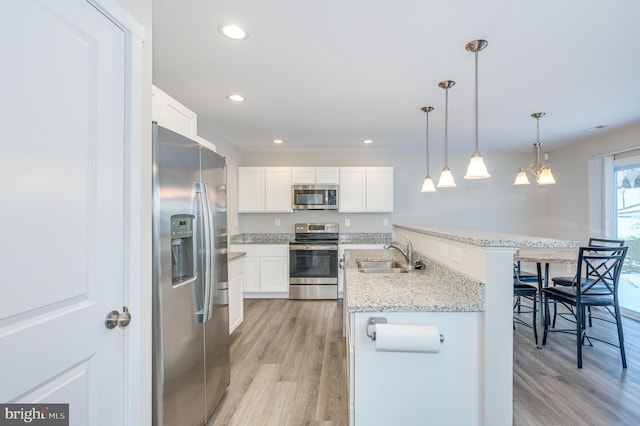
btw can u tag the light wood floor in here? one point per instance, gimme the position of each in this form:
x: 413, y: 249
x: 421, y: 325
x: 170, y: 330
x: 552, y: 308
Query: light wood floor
x: 288, y: 367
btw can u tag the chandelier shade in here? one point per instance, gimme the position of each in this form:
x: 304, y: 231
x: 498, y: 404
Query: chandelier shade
x: 542, y: 172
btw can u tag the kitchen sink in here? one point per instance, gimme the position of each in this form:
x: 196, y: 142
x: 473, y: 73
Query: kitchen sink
x: 380, y: 267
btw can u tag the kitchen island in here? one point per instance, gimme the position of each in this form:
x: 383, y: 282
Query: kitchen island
x: 466, y: 290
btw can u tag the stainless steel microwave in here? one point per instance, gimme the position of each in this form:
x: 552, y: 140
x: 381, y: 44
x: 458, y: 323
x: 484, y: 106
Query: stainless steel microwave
x: 315, y: 197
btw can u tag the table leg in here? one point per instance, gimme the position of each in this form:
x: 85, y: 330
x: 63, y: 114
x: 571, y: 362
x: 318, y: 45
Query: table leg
x: 540, y: 324
x: 540, y: 318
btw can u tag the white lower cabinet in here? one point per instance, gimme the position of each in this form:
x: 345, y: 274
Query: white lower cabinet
x: 415, y: 388
x: 266, y: 270
x: 236, y: 299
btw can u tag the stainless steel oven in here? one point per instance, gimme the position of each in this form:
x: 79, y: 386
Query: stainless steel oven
x: 313, y: 261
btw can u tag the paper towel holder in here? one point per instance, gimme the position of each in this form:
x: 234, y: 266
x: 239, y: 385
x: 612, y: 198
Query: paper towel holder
x: 383, y: 320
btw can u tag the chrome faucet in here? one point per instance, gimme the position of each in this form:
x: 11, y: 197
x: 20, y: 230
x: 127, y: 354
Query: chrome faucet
x: 407, y: 254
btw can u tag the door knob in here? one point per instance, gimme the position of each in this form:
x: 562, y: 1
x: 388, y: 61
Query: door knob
x: 116, y: 319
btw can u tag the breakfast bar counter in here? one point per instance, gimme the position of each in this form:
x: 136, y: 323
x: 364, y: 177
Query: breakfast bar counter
x: 435, y: 288
x: 465, y: 291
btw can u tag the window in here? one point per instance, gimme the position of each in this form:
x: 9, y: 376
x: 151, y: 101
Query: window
x: 627, y: 227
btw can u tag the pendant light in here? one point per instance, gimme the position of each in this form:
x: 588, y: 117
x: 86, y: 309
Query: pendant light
x: 446, y: 178
x: 476, y: 169
x: 427, y: 185
x: 542, y: 172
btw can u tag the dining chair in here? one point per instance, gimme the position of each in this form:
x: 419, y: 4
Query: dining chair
x: 522, y: 277
x: 523, y: 290
x: 597, y: 287
x: 571, y: 281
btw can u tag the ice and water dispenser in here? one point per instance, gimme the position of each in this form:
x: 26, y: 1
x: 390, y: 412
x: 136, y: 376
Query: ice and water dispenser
x: 183, y: 268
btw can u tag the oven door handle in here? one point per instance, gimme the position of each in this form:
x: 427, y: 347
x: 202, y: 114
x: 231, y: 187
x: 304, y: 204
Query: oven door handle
x: 311, y: 247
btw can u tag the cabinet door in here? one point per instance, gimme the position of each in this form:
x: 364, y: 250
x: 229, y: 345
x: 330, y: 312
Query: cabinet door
x: 251, y: 274
x: 236, y: 311
x: 278, y: 189
x: 172, y: 115
x: 251, y: 189
x: 327, y: 175
x: 274, y: 275
x: 303, y: 175
x: 379, y: 196
x: 352, y: 189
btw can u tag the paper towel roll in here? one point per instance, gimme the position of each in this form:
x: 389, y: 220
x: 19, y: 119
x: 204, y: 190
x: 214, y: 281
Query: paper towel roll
x: 407, y: 338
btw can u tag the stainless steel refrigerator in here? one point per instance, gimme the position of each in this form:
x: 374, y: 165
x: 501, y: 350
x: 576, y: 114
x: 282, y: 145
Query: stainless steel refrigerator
x: 190, y: 290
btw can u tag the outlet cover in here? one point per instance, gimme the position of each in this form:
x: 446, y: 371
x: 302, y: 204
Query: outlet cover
x: 456, y: 254
x: 347, y: 222
x: 278, y: 222
x: 385, y: 222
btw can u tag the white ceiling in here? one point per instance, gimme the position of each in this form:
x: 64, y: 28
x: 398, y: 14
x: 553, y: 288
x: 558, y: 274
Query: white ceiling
x: 324, y: 75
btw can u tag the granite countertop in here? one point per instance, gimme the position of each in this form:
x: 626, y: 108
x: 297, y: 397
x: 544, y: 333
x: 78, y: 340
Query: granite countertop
x: 365, y: 238
x: 489, y: 239
x: 285, y: 238
x: 233, y: 255
x: 436, y: 288
x: 262, y: 238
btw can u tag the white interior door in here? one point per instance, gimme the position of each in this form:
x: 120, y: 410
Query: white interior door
x: 62, y: 178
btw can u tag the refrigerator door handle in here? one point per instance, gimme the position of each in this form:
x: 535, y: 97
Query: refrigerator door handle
x: 208, y: 244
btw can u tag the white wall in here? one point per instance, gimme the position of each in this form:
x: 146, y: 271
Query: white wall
x: 493, y: 204
x: 234, y: 158
x: 567, y: 216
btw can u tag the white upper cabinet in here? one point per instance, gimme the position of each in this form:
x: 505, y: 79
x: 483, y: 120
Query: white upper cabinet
x: 278, y: 189
x: 303, y: 175
x: 315, y: 175
x: 251, y: 190
x: 264, y: 189
x: 366, y: 189
x: 379, y: 189
x: 172, y: 115
x: 361, y: 189
x: 353, y: 189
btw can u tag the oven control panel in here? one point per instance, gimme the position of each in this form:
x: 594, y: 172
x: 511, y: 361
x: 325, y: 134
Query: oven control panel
x: 323, y: 228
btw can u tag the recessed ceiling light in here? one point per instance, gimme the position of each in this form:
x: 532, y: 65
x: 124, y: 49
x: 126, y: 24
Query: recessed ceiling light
x: 278, y: 141
x: 233, y: 32
x: 598, y: 127
x: 367, y: 141
x: 236, y: 98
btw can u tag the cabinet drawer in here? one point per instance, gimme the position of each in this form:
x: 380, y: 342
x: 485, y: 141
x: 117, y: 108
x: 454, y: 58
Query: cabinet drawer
x: 262, y: 250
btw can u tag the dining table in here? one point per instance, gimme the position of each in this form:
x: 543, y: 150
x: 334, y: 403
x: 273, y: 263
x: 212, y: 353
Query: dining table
x: 545, y: 256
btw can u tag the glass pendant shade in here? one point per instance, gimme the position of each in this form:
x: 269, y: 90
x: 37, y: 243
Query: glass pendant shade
x: 477, y: 169
x: 446, y: 179
x: 427, y: 185
x: 546, y: 177
x: 521, y: 178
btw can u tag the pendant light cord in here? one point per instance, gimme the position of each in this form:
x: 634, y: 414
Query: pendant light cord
x: 446, y: 127
x: 427, y: 131
x: 476, y: 102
